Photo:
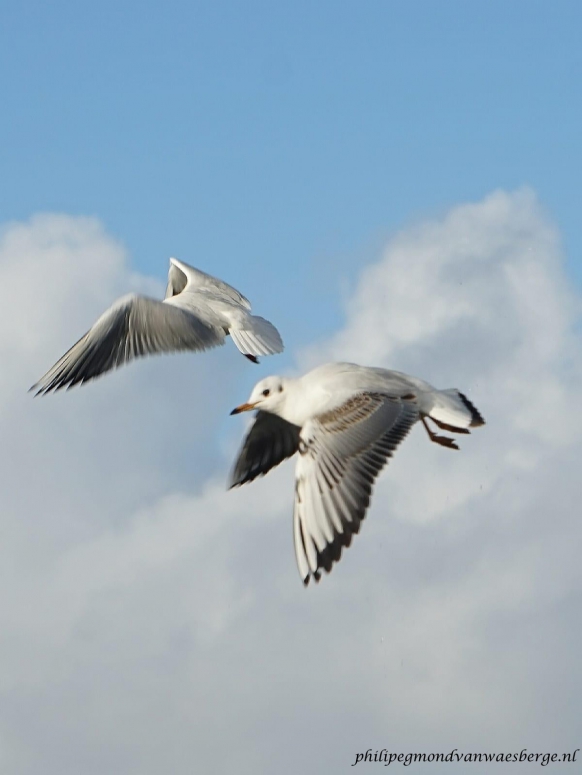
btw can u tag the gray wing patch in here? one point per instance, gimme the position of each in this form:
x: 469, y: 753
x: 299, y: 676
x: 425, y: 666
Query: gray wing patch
x: 269, y: 441
x: 341, y: 454
x: 134, y: 326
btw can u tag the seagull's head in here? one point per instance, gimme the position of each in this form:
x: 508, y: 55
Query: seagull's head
x: 268, y: 394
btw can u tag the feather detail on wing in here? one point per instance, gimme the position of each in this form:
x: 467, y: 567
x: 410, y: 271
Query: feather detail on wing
x: 341, y: 453
x: 269, y: 441
x: 132, y: 327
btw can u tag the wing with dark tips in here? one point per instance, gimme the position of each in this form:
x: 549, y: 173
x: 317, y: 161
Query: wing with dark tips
x: 341, y: 453
x: 269, y: 441
x: 132, y: 327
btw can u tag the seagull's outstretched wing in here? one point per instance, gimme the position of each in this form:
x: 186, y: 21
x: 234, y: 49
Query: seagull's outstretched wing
x: 133, y: 326
x: 269, y: 441
x: 340, y: 454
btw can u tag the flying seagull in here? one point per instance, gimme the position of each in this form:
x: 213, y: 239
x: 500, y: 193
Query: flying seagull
x: 345, y: 421
x: 197, y: 313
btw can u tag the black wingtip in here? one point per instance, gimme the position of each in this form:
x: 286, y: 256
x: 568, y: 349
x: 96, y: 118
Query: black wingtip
x: 37, y: 390
x: 252, y: 358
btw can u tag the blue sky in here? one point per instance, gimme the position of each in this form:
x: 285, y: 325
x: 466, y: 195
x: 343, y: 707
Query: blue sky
x: 394, y: 183
x: 278, y: 141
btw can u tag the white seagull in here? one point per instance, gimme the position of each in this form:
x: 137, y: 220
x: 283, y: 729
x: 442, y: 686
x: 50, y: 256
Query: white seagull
x: 197, y: 313
x: 345, y: 421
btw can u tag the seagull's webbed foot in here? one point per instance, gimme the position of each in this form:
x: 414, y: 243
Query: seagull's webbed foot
x: 444, y: 441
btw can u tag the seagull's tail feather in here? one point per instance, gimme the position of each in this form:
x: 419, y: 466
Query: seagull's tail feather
x: 253, y: 335
x: 452, y: 411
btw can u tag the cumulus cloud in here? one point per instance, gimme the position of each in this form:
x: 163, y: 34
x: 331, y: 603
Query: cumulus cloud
x: 154, y: 622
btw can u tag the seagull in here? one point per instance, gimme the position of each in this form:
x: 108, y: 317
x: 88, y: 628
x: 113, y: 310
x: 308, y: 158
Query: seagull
x: 345, y: 421
x: 197, y: 313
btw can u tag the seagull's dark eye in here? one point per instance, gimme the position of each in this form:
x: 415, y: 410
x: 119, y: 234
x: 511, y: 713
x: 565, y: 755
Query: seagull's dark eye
x: 266, y: 392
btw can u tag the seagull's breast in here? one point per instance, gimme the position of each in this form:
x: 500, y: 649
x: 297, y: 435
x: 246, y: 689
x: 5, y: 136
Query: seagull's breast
x: 303, y: 402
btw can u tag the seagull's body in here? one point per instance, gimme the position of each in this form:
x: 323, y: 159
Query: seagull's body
x: 345, y: 421
x: 197, y: 313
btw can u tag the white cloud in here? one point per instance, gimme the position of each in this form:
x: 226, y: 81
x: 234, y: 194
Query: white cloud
x: 153, y: 622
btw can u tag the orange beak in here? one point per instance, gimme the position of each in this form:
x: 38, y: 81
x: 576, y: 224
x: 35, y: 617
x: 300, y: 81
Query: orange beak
x: 243, y: 408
